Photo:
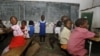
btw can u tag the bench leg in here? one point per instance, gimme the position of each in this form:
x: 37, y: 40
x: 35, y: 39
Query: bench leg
x: 90, y: 46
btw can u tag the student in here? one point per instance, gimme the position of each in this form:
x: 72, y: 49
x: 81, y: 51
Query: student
x: 24, y: 29
x: 63, y: 18
x: 54, y: 39
x: 18, y: 38
x: 31, y: 28
x: 42, y: 29
x: 58, y: 27
x: 65, y: 34
x: 76, y: 43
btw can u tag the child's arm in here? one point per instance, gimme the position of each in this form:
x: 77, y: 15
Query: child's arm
x: 89, y: 34
x: 7, y: 30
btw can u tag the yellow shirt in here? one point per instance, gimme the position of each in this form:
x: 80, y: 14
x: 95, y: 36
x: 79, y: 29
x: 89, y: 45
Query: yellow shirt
x: 64, y: 35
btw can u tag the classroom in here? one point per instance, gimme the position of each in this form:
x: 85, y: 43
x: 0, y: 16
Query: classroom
x: 49, y: 28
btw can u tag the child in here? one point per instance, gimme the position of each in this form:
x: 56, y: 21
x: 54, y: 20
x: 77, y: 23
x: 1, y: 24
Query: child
x: 31, y: 28
x: 42, y: 29
x: 63, y: 18
x: 76, y: 42
x: 24, y: 29
x: 58, y: 27
x: 65, y: 34
x: 54, y: 39
x: 18, y: 38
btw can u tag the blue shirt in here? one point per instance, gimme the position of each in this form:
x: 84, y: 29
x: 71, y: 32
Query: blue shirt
x: 31, y: 30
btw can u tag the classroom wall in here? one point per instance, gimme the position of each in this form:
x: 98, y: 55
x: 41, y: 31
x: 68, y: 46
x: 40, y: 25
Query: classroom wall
x: 83, y: 3
x: 96, y: 2
x: 96, y: 17
x: 33, y: 10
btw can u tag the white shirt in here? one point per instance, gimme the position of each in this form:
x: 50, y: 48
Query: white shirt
x: 57, y: 30
x: 26, y: 34
x: 64, y: 35
x: 16, y: 30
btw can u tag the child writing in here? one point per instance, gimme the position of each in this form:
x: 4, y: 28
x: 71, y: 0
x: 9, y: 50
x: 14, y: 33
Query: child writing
x: 76, y: 42
x: 31, y: 28
x: 42, y: 29
x: 24, y: 29
x: 18, y: 36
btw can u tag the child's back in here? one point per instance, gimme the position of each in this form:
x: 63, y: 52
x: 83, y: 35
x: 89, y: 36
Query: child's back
x: 31, y: 30
x: 77, y: 39
x: 76, y: 43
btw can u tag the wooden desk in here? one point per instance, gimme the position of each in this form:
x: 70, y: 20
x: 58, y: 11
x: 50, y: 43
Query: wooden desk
x: 96, y: 39
x: 18, y: 51
x: 2, y: 34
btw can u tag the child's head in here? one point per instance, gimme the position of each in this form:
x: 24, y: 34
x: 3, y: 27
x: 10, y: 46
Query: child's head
x: 42, y: 17
x: 58, y: 24
x: 82, y: 22
x: 68, y: 23
x: 23, y: 23
x: 31, y: 22
x: 13, y: 20
x: 63, y: 18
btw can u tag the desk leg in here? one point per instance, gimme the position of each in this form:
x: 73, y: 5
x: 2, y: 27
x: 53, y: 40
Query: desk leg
x: 90, y: 46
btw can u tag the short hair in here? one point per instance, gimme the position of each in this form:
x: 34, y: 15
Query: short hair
x: 80, y: 21
x: 23, y: 21
x: 13, y: 17
x: 66, y: 21
x: 42, y: 16
x: 31, y: 22
x: 64, y: 17
x: 59, y: 24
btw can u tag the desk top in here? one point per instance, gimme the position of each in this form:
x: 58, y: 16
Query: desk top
x: 2, y: 32
x: 17, y: 51
x: 96, y: 39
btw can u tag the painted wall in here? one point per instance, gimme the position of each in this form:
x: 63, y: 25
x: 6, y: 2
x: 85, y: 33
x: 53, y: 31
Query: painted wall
x: 96, y: 2
x: 96, y: 17
x: 83, y: 3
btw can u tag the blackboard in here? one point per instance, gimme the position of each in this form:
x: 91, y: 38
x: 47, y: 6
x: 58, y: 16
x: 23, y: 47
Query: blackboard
x: 32, y: 10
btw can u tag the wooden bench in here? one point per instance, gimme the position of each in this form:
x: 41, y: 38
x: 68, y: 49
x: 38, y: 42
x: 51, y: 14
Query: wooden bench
x: 20, y: 50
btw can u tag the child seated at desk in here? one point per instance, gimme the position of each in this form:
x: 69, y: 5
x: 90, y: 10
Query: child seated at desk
x: 24, y: 29
x: 76, y: 43
x: 18, y: 36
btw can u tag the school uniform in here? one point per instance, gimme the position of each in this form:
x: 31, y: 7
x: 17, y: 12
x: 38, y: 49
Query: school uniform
x: 42, y: 30
x: 31, y: 30
x: 18, y: 39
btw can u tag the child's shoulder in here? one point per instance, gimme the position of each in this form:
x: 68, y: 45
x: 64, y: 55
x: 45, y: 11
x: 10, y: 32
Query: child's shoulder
x: 42, y: 21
